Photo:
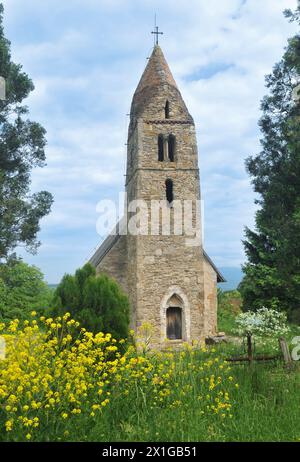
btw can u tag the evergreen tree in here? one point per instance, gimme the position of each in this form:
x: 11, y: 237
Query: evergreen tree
x: 272, y: 272
x: 22, y: 144
x: 96, y: 302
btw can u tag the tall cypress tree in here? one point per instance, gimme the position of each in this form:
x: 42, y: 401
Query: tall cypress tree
x: 272, y: 271
x: 22, y: 144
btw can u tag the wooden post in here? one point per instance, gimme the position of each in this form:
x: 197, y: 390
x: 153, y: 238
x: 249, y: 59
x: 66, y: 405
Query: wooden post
x: 249, y: 348
x: 285, y: 351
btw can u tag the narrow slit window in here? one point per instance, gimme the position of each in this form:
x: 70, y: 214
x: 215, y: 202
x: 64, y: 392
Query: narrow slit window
x: 167, y: 110
x: 160, y: 148
x: 169, y: 191
x: 171, y: 148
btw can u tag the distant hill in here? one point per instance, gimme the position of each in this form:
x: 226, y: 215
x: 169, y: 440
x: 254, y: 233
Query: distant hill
x: 233, y: 277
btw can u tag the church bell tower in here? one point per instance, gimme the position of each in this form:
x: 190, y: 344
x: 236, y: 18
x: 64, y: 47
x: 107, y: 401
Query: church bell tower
x: 165, y: 275
x: 170, y: 280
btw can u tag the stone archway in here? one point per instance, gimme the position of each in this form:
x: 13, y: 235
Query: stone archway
x: 176, y: 302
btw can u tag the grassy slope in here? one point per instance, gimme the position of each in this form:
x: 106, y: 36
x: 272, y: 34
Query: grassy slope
x: 265, y: 408
x: 265, y: 405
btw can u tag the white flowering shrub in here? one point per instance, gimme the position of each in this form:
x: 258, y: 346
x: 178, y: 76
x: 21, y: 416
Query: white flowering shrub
x: 264, y: 323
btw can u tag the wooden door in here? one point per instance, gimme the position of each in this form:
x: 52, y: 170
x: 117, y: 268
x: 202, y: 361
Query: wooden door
x: 174, y: 323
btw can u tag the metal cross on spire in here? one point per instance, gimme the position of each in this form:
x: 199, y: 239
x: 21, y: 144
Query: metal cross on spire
x: 156, y: 32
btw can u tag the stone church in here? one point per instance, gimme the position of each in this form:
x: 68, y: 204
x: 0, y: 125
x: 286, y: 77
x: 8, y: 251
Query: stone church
x: 170, y: 284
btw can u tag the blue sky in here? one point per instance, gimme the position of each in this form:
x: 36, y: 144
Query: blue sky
x: 86, y: 57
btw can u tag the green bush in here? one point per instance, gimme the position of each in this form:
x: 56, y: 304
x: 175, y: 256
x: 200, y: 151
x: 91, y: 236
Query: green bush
x: 22, y: 290
x: 97, y: 302
x: 229, y: 306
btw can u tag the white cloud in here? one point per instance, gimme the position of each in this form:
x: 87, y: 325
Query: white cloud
x: 86, y: 57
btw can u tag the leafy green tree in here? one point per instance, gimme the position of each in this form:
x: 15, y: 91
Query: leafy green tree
x: 97, y: 302
x: 272, y: 272
x: 22, y: 144
x: 22, y: 290
x: 229, y: 306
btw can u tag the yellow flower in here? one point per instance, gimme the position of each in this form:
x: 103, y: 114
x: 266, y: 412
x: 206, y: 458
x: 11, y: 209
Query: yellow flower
x: 9, y: 425
x: 111, y: 348
x: 28, y: 436
x: 76, y: 411
x: 36, y: 405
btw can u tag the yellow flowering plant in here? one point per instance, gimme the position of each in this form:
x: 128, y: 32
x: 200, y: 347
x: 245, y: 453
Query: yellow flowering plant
x: 52, y: 372
x: 59, y: 382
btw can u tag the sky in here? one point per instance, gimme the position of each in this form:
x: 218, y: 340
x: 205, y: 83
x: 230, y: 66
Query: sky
x: 86, y: 57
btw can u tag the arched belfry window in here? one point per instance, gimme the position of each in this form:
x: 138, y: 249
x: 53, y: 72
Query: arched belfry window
x: 174, y: 323
x: 171, y: 147
x: 167, y: 110
x: 160, y: 148
x: 169, y: 191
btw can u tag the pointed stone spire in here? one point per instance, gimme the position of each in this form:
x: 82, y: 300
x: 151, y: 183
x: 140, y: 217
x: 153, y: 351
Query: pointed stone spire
x: 156, y: 88
x: 157, y: 72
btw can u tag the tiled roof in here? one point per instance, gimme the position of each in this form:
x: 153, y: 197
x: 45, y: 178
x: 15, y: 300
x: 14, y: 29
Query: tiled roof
x: 157, y: 72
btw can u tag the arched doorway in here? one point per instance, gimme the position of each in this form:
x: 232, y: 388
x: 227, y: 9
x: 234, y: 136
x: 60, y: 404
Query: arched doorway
x: 175, y: 316
x: 174, y: 323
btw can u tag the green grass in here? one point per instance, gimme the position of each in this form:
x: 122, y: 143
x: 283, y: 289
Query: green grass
x: 268, y: 403
x: 185, y: 396
x: 265, y: 408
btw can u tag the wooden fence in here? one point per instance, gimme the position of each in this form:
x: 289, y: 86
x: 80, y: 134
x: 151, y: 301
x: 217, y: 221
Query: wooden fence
x: 250, y: 357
